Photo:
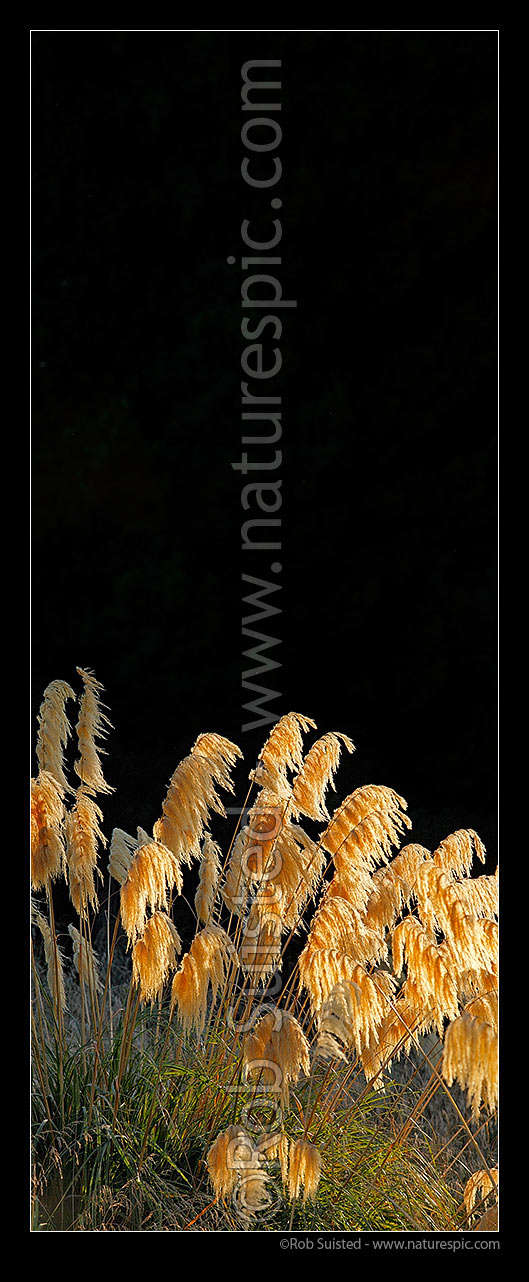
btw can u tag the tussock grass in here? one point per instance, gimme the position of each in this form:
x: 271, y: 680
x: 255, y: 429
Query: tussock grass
x: 180, y: 1082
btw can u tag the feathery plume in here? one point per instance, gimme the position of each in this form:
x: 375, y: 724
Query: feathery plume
x: 445, y: 904
x: 277, y: 1051
x: 339, y: 924
x: 90, y: 727
x: 428, y: 964
x: 338, y: 940
x: 370, y: 802
x: 152, y: 874
x: 278, y: 859
x: 472, y: 941
x: 260, y: 946
x: 479, y: 1186
x: 282, y: 752
x: 275, y: 1146
x: 470, y: 1057
x: 229, y: 1155
x: 404, y: 1021
x: 455, y: 854
x: 335, y: 1021
x: 393, y: 887
x: 47, y: 833
x: 122, y: 850
x: 354, y: 1010
x: 54, y: 961
x: 479, y: 896
x: 85, y: 961
x: 155, y: 955
x: 294, y: 870
x: 83, y: 834
x: 54, y: 732
x: 304, y: 1169
x: 253, y: 851
x: 209, y: 874
x: 328, y: 1046
x: 234, y: 889
x: 485, y: 1007
x: 316, y: 775
x: 360, y: 835
x: 438, y: 891
x: 265, y: 823
x: 192, y: 795
x: 204, y: 967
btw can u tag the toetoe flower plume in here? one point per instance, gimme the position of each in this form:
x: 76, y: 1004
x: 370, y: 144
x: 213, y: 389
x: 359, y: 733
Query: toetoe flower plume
x: 316, y: 776
x: 428, y: 963
x: 234, y: 889
x: 371, y: 800
x: 85, y: 961
x: 252, y: 858
x: 54, y: 732
x: 282, y: 752
x: 464, y: 911
x: 209, y: 873
x: 122, y: 850
x: 338, y: 941
x: 393, y: 887
x: 83, y: 836
x: 485, y: 1007
x: 47, y: 833
x: 470, y: 1057
x: 304, y: 1169
x: 354, y: 1010
x: 479, y: 1186
x: 249, y: 859
x: 54, y: 961
x: 155, y: 955
x: 91, y: 727
x: 203, y: 969
x: 456, y: 853
x: 361, y: 834
x: 405, y: 1019
x: 293, y: 871
x: 192, y: 795
x: 260, y: 946
x: 229, y: 1155
x: 479, y: 896
x: 152, y: 874
x: 277, y: 1052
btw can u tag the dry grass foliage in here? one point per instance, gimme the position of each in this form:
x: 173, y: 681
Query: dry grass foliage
x: 392, y: 942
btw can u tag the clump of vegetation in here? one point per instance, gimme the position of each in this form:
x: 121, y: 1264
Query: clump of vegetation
x: 197, y: 1086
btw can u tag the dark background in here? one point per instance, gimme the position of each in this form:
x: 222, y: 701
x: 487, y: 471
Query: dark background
x: 388, y: 385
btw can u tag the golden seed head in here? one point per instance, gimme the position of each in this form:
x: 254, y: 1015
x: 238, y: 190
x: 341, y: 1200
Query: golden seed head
x: 155, y: 955
x: 54, y: 732
x: 304, y: 1169
x: 91, y: 727
x: 47, y: 830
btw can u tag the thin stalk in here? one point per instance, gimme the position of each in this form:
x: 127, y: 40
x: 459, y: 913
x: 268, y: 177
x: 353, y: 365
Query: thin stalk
x: 100, y: 1026
x: 442, y: 1084
x: 40, y: 1014
x: 124, y: 1049
x: 42, y: 1077
x: 155, y: 1091
x: 57, y: 1005
x: 197, y: 1217
x: 108, y: 982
